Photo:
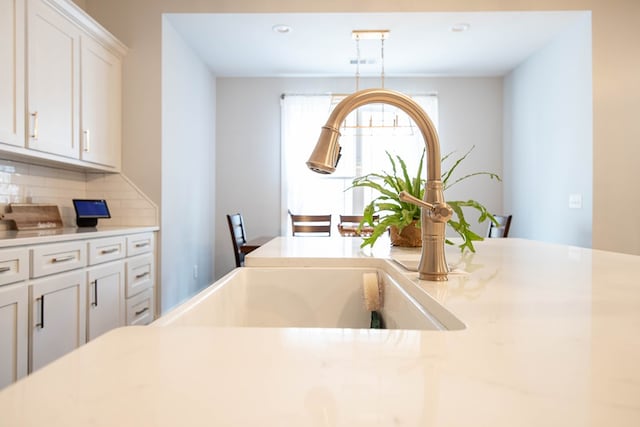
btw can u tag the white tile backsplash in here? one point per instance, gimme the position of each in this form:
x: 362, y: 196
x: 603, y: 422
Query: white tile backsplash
x: 127, y: 204
x: 25, y: 183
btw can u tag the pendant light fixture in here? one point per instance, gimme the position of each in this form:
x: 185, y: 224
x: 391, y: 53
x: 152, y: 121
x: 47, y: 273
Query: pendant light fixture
x: 375, y: 117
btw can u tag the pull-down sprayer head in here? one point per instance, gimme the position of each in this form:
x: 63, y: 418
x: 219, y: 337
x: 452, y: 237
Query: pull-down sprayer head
x: 326, y: 155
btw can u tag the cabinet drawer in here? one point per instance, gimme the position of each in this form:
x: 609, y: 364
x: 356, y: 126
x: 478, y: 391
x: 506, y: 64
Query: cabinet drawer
x: 50, y: 259
x: 104, y: 250
x: 139, y: 274
x: 140, y: 308
x: 14, y: 265
x: 139, y: 244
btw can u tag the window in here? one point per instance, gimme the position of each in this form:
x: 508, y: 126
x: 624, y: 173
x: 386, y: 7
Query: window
x: 363, y: 151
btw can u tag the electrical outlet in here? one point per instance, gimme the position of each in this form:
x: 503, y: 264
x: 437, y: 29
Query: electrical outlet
x: 575, y: 201
x: 195, y: 271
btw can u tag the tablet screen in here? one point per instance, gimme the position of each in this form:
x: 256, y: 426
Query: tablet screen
x: 91, y: 208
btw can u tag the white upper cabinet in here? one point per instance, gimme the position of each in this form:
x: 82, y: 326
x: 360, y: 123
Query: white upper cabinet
x: 60, y: 86
x: 12, y: 72
x: 52, y: 81
x: 101, y: 103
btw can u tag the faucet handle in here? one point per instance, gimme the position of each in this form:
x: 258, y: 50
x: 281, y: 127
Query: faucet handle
x: 406, y: 197
x: 440, y: 212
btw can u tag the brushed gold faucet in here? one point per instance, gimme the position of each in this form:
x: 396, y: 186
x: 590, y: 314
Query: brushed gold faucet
x: 435, y: 211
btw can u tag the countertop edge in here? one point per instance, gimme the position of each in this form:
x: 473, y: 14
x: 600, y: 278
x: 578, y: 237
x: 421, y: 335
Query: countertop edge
x: 13, y: 238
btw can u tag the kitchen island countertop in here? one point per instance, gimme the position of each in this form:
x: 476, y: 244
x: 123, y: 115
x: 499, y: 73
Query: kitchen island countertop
x: 551, y: 339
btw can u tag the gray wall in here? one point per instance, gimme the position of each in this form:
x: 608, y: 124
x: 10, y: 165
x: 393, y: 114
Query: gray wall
x: 248, y: 144
x: 616, y: 65
x: 549, y: 141
x: 188, y: 156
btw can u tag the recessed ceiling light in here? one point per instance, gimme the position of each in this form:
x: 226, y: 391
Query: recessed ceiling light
x: 281, y: 29
x: 460, y: 27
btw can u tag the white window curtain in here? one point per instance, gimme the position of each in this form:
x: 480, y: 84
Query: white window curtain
x: 363, y: 151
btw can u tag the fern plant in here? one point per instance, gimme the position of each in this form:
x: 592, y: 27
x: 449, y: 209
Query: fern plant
x: 391, y: 211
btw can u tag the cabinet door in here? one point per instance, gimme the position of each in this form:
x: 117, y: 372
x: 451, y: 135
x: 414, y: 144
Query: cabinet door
x: 52, y: 77
x: 12, y: 72
x: 100, y: 106
x: 13, y: 333
x: 57, y: 320
x: 106, y: 301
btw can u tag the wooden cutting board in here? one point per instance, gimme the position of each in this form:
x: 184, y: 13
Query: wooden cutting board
x: 33, y: 216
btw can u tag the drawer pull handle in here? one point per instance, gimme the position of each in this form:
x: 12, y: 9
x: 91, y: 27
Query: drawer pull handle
x: 108, y: 251
x: 41, y: 324
x: 141, y: 275
x: 138, y: 313
x: 63, y: 259
x: 142, y: 245
x: 4, y: 269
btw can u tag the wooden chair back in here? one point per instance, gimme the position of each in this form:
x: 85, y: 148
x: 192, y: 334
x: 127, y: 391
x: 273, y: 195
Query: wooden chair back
x: 348, y: 225
x: 310, y: 225
x: 501, y: 230
x: 238, y: 236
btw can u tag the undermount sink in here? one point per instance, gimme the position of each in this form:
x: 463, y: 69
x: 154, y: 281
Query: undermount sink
x: 303, y: 297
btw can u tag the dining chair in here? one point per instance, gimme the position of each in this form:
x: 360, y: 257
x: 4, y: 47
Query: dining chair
x: 238, y: 236
x: 348, y: 225
x: 501, y: 230
x: 310, y: 225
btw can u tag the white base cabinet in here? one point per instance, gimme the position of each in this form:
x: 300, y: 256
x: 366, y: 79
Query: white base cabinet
x: 57, y: 321
x: 13, y: 336
x: 54, y: 297
x: 140, y: 281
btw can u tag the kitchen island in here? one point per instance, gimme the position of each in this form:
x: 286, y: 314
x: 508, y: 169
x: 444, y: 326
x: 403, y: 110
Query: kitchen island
x: 551, y: 339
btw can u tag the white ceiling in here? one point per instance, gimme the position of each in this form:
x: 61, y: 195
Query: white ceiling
x: 420, y: 44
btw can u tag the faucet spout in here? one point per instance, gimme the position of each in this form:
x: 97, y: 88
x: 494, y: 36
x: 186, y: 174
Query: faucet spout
x: 435, y: 213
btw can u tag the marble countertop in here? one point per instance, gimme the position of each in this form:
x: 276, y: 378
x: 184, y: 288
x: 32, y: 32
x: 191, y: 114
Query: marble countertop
x: 551, y: 340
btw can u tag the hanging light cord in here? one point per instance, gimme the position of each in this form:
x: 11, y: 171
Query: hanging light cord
x: 357, y: 63
x: 382, y: 60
